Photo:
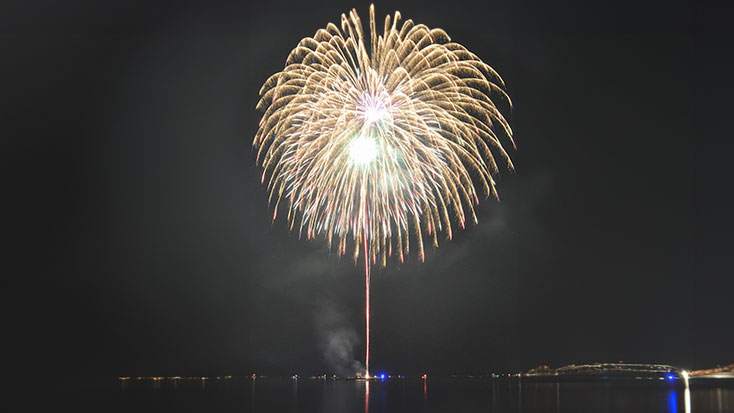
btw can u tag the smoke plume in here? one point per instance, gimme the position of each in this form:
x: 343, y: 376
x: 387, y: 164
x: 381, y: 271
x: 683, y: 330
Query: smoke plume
x: 338, y: 340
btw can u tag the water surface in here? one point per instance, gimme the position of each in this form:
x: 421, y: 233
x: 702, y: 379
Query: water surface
x: 396, y: 395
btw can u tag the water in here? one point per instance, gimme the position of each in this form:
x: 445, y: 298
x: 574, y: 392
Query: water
x: 408, y: 395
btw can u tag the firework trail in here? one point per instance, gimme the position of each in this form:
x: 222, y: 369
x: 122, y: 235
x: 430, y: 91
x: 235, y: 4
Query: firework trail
x: 376, y: 142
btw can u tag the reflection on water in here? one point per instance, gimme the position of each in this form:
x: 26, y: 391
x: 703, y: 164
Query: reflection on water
x: 305, y: 395
x: 393, y: 395
x: 673, y: 402
x: 252, y: 393
x: 553, y: 397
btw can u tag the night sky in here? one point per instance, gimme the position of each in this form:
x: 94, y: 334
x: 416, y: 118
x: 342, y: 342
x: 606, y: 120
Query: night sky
x: 141, y: 241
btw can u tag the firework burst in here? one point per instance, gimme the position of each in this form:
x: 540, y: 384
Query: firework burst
x: 376, y: 141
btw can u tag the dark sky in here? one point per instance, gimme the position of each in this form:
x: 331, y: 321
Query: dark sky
x: 141, y: 240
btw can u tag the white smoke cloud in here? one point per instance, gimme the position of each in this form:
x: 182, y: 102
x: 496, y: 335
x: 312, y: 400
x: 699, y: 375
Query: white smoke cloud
x: 338, y: 341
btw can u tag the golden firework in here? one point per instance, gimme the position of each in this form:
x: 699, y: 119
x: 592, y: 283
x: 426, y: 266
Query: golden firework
x: 376, y: 142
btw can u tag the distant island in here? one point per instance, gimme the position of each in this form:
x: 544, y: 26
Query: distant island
x: 626, y: 371
x: 573, y: 372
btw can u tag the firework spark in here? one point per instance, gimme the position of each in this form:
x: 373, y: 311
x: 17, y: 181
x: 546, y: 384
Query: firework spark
x: 376, y: 142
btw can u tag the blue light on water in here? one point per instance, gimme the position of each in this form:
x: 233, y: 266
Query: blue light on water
x: 382, y: 376
x: 673, y: 402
